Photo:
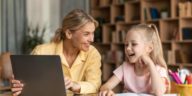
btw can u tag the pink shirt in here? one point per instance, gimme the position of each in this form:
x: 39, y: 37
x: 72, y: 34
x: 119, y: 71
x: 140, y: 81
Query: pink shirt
x: 134, y: 83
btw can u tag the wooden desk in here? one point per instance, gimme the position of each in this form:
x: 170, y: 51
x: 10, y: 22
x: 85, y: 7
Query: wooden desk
x: 4, y: 88
x: 119, y: 94
x: 9, y: 94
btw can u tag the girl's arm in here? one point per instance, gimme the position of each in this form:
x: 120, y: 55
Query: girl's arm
x: 106, y: 89
x: 158, y: 83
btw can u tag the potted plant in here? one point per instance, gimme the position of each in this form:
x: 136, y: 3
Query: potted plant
x: 33, y: 37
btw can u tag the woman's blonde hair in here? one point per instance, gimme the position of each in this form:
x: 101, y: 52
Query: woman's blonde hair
x: 151, y: 33
x: 73, y: 21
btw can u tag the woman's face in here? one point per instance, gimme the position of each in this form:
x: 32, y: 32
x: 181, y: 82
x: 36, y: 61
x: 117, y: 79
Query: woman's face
x: 135, y: 46
x: 82, y: 38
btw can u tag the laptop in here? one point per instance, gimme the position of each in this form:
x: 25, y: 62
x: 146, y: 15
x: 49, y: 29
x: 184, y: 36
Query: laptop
x: 42, y: 75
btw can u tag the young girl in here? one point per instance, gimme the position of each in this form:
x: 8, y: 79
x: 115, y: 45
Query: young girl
x: 145, y: 70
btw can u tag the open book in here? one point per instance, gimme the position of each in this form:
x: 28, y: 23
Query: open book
x: 138, y: 94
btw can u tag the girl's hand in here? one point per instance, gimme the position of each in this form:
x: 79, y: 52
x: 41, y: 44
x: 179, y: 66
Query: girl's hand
x: 17, y: 87
x: 106, y: 93
x: 145, y: 59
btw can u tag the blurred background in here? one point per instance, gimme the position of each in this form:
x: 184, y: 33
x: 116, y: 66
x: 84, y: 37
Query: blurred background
x: 26, y: 23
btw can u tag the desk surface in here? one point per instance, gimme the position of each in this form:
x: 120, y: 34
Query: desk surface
x: 119, y: 94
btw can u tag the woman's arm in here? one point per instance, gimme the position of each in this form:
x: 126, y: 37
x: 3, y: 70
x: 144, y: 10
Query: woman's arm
x: 91, y: 68
x: 106, y: 89
x: 73, y: 86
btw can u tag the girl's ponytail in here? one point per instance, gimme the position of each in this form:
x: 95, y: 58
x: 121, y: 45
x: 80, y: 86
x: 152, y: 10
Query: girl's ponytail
x: 158, y: 51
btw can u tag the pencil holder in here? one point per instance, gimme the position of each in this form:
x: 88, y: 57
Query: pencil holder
x: 184, y: 89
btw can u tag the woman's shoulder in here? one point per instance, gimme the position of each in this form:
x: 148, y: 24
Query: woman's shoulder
x: 46, y: 45
x: 45, y: 48
x: 92, y: 50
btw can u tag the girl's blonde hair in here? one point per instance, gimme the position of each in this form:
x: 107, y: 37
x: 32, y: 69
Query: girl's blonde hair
x: 151, y: 33
x: 73, y: 21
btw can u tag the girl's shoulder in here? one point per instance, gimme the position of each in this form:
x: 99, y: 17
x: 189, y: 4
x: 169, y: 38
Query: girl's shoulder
x: 126, y: 64
x: 162, y: 71
x: 158, y: 67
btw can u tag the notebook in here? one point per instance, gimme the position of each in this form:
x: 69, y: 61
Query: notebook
x: 140, y: 94
x: 42, y: 75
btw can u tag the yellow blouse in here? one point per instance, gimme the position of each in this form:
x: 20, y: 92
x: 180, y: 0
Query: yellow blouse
x: 85, y: 69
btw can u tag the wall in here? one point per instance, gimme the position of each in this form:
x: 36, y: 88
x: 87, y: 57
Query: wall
x: 0, y: 30
x: 51, y: 12
x: 44, y: 13
x: 68, y: 5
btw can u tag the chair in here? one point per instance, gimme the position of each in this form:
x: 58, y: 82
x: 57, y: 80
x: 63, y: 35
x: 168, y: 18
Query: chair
x: 5, y: 66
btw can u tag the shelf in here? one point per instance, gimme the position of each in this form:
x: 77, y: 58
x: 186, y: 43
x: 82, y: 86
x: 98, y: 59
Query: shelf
x: 154, y: 0
x: 118, y: 4
x: 169, y: 19
x: 131, y: 22
x: 184, y: 41
x: 134, y: 9
x: 117, y: 13
x: 99, y: 43
x: 179, y: 64
x: 186, y: 17
x: 154, y: 20
x: 133, y: 2
x: 5, y: 88
x: 167, y: 41
x: 170, y: 28
x: 177, y: 45
x: 120, y: 43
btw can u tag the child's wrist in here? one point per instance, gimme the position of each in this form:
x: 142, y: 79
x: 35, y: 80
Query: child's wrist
x: 151, y: 64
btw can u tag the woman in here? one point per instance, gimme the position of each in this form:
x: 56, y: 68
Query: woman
x: 80, y: 61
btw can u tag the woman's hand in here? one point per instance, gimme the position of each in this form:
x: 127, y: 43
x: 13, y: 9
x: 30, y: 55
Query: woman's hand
x: 106, y: 93
x: 68, y: 83
x: 73, y: 86
x: 17, y: 87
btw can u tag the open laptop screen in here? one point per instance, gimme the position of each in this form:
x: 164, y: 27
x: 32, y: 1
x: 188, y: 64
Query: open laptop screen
x: 42, y: 75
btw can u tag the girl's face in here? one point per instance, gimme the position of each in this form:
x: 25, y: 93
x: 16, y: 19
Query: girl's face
x: 135, y: 46
x: 82, y: 38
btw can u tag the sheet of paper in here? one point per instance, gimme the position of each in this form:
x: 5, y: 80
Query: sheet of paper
x: 132, y: 94
x: 137, y: 94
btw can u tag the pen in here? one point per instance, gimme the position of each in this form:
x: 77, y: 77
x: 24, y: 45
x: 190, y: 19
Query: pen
x: 175, y: 77
x: 185, y: 82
